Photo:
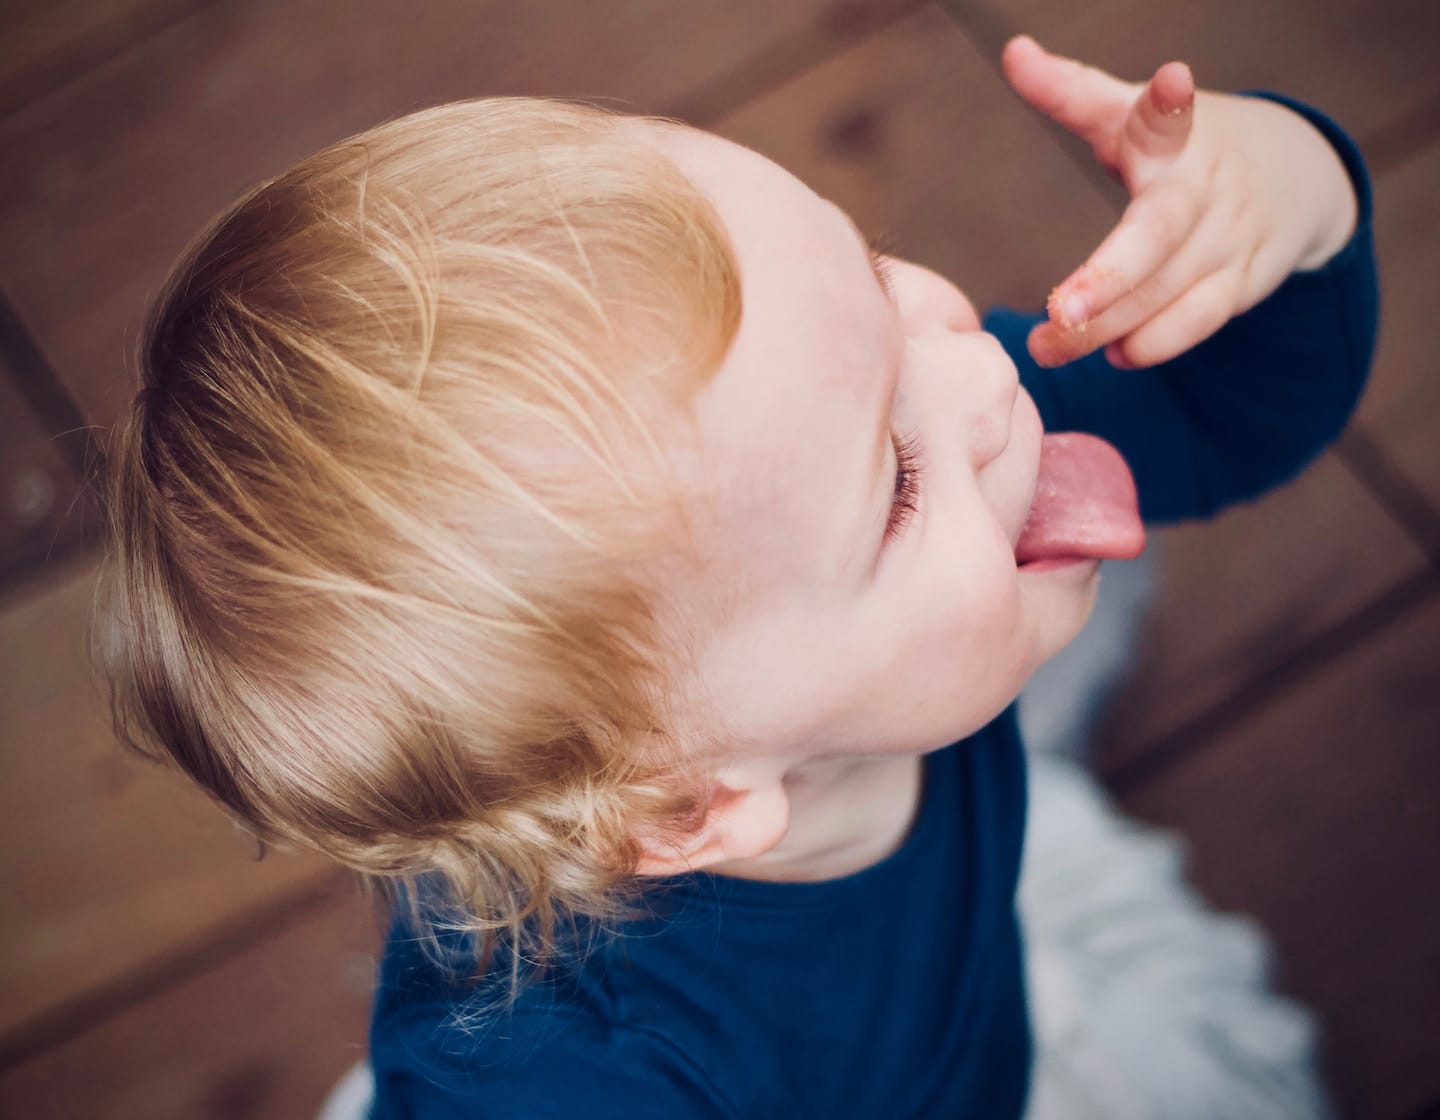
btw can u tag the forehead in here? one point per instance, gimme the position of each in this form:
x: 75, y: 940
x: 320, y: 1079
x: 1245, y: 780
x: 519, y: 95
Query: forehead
x: 786, y: 428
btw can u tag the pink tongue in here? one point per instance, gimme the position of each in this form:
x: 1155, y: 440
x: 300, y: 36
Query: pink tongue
x: 1085, y: 503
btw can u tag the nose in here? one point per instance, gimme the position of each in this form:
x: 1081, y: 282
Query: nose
x: 992, y: 399
x: 934, y: 302
x: 971, y: 364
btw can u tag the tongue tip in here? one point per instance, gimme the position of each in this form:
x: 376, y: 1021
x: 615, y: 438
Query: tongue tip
x: 1116, y: 549
x: 1086, y: 505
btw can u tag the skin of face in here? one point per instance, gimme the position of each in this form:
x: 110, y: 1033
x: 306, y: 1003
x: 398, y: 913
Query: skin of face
x: 842, y: 654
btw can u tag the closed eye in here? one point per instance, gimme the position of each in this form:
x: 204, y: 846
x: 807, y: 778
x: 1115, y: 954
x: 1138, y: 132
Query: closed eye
x: 907, y: 486
x: 884, y: 270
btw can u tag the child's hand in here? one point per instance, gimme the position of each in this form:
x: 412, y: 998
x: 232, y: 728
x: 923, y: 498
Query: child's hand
x: 1228, y: 196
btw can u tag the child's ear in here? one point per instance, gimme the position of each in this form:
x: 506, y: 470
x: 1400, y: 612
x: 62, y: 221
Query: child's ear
x: 743, y: 819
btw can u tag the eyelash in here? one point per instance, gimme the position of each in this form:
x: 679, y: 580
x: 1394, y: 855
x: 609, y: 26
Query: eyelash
x: 885, y: 269
x: 907, y: 449
x: 882, y: 248
x: 907, y: 486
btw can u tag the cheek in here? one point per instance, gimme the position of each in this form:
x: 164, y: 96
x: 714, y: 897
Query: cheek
x: 975, y: 623
x: 964, y: 657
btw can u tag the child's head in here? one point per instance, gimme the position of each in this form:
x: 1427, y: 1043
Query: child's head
x: 464, y: 524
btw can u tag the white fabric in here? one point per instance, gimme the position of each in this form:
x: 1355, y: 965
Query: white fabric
x: 352, y: 1095
x: 1145, y: 1004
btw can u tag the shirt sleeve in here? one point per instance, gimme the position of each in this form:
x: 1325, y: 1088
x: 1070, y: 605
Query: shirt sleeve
x: 1249, y: 407
x: 552, y: 1067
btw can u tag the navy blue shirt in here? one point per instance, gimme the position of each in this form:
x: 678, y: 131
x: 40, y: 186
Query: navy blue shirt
x: 897, y: 991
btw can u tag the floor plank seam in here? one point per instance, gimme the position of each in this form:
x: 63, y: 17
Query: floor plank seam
x: 989, y: 30
x: 30, y: 570
x: 783, y: 62
x: 1169, y: 751
x: 1406, y: 503
x: 34, y: 378
x: 1402, y: 138
x: 30, y: 374
x: 85, y: 63
x: 63, y: 1022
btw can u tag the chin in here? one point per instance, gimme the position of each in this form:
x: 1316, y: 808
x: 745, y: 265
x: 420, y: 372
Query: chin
x: 1063, y: 626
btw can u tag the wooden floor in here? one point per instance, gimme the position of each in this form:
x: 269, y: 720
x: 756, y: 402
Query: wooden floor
x: 1287, y: 713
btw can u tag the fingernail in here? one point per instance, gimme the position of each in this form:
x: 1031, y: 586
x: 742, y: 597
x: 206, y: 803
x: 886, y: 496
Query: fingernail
x: 1073, y: 311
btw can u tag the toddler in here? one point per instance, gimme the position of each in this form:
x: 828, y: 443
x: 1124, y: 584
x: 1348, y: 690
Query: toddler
x: 567, y: 519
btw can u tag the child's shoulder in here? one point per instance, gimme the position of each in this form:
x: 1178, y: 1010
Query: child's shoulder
x: 442, y: 1041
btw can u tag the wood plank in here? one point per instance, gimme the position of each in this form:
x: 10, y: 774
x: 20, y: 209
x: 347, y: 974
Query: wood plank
x: 107, y: 863
x: 106, y: 182
x: 262, y: 1035
x: 1401, y: 410
x: 1244, y: 591
x: 1364, y: 65
x: 915, y: 135
x: 1321, y: 816
x: 47, y: 43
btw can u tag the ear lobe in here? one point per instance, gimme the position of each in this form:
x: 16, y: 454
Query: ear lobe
x: 739, y: 823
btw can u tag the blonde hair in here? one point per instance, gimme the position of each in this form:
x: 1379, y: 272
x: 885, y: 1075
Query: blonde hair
x: 383, y: 506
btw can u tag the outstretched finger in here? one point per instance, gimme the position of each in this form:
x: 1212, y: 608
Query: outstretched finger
x: 1152, y: 228
x: 1087, y: 101
x: 1160, y: 120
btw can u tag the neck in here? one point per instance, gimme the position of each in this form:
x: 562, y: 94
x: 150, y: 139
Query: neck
x: 846, y: 814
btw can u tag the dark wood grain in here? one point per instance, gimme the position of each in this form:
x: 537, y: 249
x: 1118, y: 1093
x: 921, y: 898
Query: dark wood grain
x: 1243, y: 592
x: 1400, y: 414
x: 45, y: 44
x: 106, y: 181
x: 261, y: 1036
